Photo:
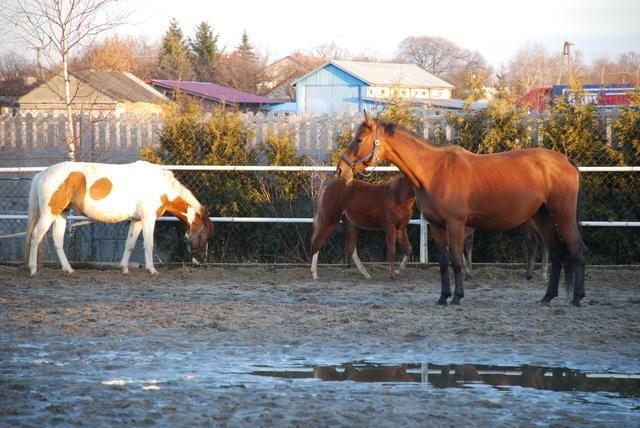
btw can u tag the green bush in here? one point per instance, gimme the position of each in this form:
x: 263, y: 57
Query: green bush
x: 191, y: 137
x: 221, y: 138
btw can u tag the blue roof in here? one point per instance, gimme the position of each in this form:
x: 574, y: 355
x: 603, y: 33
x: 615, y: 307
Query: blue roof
x: 289, y: 107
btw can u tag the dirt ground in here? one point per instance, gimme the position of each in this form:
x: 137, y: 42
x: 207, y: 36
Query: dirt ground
x: 178, y: 348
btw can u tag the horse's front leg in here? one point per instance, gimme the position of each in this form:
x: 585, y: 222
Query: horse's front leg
x: 134, y: 231
x: 351, y: 241
x: 440, y: 236
x: 148, y: 224
x: 455, y: 233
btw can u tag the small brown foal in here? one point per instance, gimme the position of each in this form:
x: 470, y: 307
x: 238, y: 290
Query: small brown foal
x: 386, y: 206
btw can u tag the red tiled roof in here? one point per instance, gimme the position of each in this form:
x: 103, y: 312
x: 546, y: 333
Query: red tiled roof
x: 214, y: 92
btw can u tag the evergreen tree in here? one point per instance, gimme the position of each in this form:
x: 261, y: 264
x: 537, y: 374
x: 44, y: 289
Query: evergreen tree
x: 173, y: 59
x: 204, y: 48
x: 245, y: 50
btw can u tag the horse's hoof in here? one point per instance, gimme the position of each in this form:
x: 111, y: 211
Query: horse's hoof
x: 442, y: 301
x: 546, y: 299
x: 153, y: 272
x: 575, y: 302
x: 455, y: 301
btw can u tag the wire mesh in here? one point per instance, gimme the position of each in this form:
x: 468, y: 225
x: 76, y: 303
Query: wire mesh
x: 598, y: 139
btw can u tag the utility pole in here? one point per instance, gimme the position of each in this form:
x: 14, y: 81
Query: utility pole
x: 566, y: 53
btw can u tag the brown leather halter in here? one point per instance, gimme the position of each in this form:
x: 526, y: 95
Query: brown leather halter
x: 371, y: 158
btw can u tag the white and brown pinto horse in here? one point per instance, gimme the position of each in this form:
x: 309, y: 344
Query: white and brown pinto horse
x: 139, y: 191
x: 456, y: 188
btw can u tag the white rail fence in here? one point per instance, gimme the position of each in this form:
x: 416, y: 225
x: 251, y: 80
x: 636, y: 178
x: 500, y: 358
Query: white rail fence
x: 421, y: 222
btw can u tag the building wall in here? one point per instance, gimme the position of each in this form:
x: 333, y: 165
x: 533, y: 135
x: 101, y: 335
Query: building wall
x: 407, y: 92
x: 329, y: 90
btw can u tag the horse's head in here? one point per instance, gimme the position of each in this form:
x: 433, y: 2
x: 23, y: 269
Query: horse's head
x: 365, y: 149
x: 198, y: 235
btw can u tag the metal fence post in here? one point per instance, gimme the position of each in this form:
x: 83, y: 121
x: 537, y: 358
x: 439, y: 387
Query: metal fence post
x: 424, y: 235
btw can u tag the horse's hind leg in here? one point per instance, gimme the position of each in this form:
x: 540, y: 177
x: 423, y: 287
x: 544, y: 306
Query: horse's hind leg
x: 59, y: 226
x: 531, y: 245
x: 39, y: 231
x: 390, y: 235
x: 455, y: 232
x: 134, y: 231
x: 351, y: 237
x: 576, y: 252
x: 403, y: 238
x: 467, y: 252
x: 148, y: 225
x: 440, y: 237
x: 547, y: 229
x: 544, y: 261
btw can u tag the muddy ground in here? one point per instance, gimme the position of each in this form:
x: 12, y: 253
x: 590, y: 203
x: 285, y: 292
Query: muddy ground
x: 99, y: 347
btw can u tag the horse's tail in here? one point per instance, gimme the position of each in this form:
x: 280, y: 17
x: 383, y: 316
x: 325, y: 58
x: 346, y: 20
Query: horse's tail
x: 34, y: 216
x: 580, y: 202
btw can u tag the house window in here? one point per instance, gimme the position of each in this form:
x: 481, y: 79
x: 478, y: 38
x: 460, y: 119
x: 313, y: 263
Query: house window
x: 404, y: 92
x: 381, y: 91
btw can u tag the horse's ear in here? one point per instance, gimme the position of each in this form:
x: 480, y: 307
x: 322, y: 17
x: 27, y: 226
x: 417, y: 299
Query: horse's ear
x: 367, y: 119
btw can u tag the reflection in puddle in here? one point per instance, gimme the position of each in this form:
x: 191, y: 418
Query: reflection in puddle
x: 450, y: 376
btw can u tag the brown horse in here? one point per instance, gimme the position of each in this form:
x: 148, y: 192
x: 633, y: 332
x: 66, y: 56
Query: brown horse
x: 456, y: 188
x: 386, y: 206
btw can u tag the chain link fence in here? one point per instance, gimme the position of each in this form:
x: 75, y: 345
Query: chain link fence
x: 249, y: 205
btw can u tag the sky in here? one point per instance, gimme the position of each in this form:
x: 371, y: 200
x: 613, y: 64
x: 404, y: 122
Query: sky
x: 496, y: 28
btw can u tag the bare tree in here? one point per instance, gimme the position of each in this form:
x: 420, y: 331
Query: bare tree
x: 329, y: 51
x: 627, y: 68
x: 445, y: 59
x: 119, y: 54
x: 59, y: 29
x: 532, y: 67
x: 13, y: 65
x: 600, y: 71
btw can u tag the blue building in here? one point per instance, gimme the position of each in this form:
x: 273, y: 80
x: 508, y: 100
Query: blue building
x: 350, y: 86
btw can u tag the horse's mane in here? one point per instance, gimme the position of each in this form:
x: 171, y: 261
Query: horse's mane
x: 391, y: 128
x: 181, y: 190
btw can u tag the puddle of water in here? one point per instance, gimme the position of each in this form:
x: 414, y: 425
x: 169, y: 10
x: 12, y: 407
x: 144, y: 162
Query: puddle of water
x: 465, y: 376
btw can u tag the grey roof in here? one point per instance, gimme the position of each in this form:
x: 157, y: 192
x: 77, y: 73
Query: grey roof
x: 390, y: 74
x: 121, y: 86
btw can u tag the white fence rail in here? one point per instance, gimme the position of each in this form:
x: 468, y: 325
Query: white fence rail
x: 423, y: 252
